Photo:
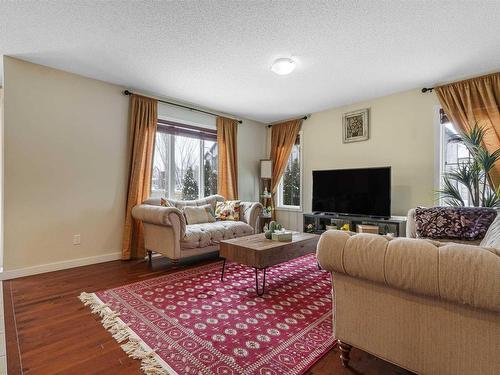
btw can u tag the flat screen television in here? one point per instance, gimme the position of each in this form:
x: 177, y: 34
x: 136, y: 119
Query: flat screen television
x: 365, y: 191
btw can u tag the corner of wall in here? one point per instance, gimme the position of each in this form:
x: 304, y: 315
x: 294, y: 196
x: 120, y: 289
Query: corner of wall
x: 251, y: 148
x: 1, y: 173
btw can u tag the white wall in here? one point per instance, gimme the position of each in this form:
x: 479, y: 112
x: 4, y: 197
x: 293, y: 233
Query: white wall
x: 402, y: 136
x: 65, y: 165
x: 185, y: 116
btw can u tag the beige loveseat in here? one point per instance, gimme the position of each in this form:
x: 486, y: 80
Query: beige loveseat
x: 166, y: 231
x: 427, y: 306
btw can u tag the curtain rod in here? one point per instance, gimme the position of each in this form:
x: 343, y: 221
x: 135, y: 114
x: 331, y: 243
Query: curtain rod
x: 429, y: 89
x: 300, y: 118
x: 127, y: 92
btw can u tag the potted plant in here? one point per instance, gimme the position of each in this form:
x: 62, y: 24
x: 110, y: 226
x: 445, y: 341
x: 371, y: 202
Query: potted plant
x: 472, y: 173
x: 273, y: 227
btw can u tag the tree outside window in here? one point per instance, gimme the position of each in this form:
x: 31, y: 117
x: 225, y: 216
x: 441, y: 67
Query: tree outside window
x: 189, y: 185
x: 291, y: 184
x: 289, y: 191
x: 185, y: 162
x: 210, y: 168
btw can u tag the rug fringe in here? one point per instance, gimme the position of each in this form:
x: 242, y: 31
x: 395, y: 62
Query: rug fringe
x: 121, y: 332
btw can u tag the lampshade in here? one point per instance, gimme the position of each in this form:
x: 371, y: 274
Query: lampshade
x: 266, y: 168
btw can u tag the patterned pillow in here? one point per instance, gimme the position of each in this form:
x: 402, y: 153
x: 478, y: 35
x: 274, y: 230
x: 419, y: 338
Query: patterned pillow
x: 228, y: 210
x: 464, y: 223
x: 198, y: 214
x: 165, y: 203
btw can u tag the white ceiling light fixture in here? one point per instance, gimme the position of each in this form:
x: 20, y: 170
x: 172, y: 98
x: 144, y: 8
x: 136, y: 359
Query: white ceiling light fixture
x: 283, y: 66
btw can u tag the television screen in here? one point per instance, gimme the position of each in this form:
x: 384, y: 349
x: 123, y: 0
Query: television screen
x: 364, y: 191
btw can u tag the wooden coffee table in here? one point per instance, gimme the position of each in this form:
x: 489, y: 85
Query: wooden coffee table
x: 260, y: 253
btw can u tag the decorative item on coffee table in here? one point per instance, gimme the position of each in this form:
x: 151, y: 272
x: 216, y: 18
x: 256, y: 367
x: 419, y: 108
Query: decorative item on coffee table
x: 271, y: 228
x: 282, y: 235
x: 276, y: 232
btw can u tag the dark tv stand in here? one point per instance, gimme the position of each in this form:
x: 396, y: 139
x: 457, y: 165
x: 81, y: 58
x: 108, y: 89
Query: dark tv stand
x: 319, y: 221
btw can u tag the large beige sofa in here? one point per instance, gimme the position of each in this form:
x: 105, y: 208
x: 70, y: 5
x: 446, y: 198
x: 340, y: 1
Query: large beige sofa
x: 166, y: 231
x: 428, y: 306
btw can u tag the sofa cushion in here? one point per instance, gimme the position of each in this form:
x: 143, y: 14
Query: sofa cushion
x: 199, y: 215
x: 207, y: 234
x: 211, y: 200
x: 464, y: 223
x: 492, y: 236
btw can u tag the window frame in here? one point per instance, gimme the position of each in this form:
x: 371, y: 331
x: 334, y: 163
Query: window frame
x: 279, y: 194
x: 441, y: 120
x: 173, y: 129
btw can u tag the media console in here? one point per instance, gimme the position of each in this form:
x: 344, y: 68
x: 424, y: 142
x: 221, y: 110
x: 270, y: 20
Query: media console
x: 394, y: 224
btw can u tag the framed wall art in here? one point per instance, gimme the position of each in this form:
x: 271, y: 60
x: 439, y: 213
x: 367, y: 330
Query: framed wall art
x: 355, y: 126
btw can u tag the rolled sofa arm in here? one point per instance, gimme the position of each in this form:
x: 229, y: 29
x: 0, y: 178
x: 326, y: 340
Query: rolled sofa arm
x: 250, y: 212
x: 459, y: 273
x: 160, y: 215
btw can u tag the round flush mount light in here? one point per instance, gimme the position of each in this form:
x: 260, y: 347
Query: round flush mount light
x: 283, y: 66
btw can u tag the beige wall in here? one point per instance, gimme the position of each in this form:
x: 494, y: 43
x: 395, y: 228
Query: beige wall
x: 1, y: 178
x: 66, y: 150
x: 402, y: 135
x: 65, y: 165
x: 251, y: 148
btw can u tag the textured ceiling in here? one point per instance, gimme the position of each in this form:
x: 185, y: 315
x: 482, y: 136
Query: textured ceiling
x: 217, y: 54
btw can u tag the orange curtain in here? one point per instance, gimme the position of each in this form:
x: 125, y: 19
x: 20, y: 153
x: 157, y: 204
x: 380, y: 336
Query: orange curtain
x: 227, y: 175
x: 143, y: 120
x: 283, y: 138
x: 475, y: 100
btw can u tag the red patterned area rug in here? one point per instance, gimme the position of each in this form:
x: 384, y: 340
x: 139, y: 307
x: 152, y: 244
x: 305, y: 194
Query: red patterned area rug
x: 190, y: 322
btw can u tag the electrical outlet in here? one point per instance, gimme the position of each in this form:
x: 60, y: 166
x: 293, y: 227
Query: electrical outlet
x: 76, y: 239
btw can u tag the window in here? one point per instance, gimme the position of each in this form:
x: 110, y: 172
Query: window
x: 452, y: 154
x: 185, y: 161
x: 290, y: 187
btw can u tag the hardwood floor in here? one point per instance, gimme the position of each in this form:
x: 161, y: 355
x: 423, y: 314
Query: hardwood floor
x: 49, y: 331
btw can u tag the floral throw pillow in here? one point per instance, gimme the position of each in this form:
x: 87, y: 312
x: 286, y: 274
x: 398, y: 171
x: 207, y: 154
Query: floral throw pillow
x: 227, y: 210
x: 464, y: 223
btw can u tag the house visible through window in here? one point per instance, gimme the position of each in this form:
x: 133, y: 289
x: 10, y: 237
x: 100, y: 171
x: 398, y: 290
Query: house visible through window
x: 453, y: 153
x: 290, y: 187
x: 185, y: 161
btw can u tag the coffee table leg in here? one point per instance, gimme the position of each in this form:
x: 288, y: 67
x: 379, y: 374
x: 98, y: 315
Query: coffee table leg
x: 222, y: 273
x: 257, y: 282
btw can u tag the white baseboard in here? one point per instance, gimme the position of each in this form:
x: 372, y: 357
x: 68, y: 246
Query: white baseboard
x: 57, y: 266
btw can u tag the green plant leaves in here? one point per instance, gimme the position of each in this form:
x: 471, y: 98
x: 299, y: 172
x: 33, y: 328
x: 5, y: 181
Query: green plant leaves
x: 473, y: 174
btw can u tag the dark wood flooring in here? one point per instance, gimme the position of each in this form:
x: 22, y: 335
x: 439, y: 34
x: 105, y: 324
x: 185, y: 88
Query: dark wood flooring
x: 49, y: 331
